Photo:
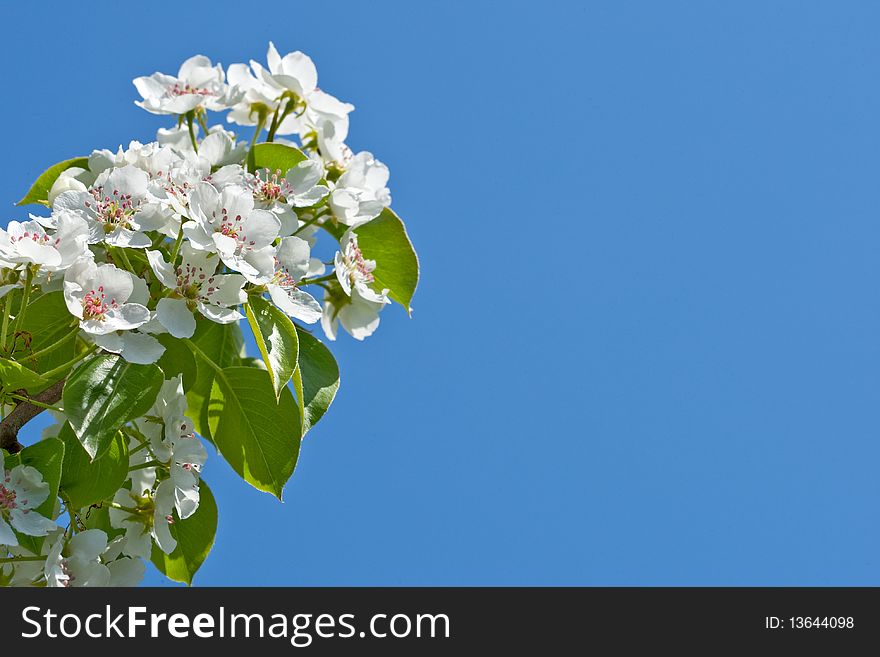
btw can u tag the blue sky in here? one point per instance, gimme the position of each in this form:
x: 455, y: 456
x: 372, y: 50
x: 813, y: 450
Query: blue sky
x: 646, y: 346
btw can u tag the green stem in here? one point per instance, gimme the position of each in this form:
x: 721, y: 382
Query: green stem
x: 123, y: 256
x: 195, y: 348
x: 310, y: 222
x: 3, y: 331
x: 261, y: 123
x: 34, y: 402
x: 288, y: 108
x: 273, y: 126
x: 149, y: 464
x: 192, y: 132
x: 200, y: 117
x: 17, y: 559
x: 22, y: 310
x: 61, y: 369
x: 176, y: 249
x: 313, y: 281
x: 52, y: 347
x: 127, y: 509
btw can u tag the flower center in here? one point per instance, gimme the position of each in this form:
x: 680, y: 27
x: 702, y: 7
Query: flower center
x: 268, y: 187
x: 7, y: 497
x: 233, y: 227
x: 191, y: 280
x: 95, y: 304
x: 115, y: 210
x: 282, y: 277
x: 34, y: 237
x: 186, y: 89
x: 356, y: 264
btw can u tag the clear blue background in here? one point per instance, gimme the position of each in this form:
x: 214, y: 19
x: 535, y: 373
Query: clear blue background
x: 646, y: 346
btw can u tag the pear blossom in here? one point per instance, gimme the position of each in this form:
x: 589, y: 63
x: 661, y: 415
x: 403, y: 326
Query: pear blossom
x: 195, y: 286
x: 22, y: 491
x: 259, y: 99
x: 199, y: 85
x: 292, y: 264
x: 226, y: 222
x: 151, y: 523
x: 118, y: 207
x: 77, y: 562
x: 198, y: 229
x: 26, y: 243
x: 353, y: 271
x: 361, y: 193
x: 98, y: 296
x: 176, y: 446
x: 358, y: 316
x: 298, y: 188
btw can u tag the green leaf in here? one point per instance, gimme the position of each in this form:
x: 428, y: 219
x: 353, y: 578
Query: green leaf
x: 276, y: 339
x: 85, y: 482
x: 320, y: 378
x: 48, y: 324
x: 14, y: 376
x: 39, y: 191
x: 384, y: 239
x: 103, y: 394
x: 223, y: 344
x: 47, y: 456
x: 178, y: 360
x: 277, y: 157
x: 258, y: 437
x: 195, y: 538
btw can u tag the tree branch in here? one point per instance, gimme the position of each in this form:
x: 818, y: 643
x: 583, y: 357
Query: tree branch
x: 24, y: 413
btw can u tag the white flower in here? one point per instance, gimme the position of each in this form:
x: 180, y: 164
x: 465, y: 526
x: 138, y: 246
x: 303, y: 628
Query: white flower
x: 177, y: 446
x: 327, y: 119
x: 26, y: 243
x: 22, y: 490
x: 227, y: 222
x: 292, y: 263
x: 195, y: 286
x: 136, y: 541
x: 117, y: 208
x: 188, y: 455
x: 288, y: 88
x: 353, y: 271
x: 198, y: 85
x: 98, y: 296
x: 150, y: 523
x: 82, y: 564
x: 294, y: 72
x: 260, y: 99
x: 361, y: 193
x: 358, y: 316
x: 163, y: 518
x: 299, y: 188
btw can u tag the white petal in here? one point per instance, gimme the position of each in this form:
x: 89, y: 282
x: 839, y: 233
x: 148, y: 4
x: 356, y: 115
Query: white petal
x: 163, y: 270
x: 141, y: 349
x: 88, y: 545
x: 7, y: 536
x: 126, y: 572
x: 176, y: 316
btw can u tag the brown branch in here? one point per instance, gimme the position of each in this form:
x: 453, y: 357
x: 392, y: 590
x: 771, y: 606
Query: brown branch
x: 24, y: 413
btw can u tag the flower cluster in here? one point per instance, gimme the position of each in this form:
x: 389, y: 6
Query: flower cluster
x: 145, y: 244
